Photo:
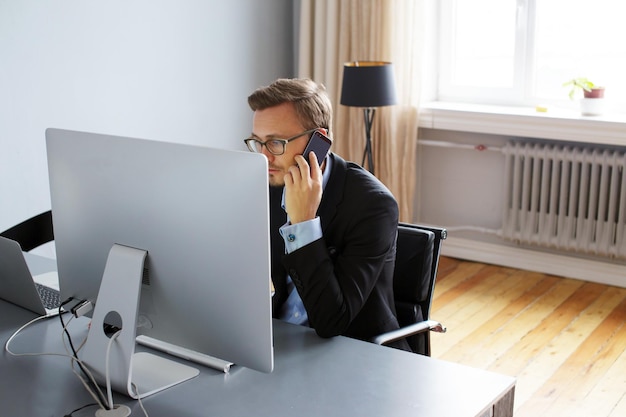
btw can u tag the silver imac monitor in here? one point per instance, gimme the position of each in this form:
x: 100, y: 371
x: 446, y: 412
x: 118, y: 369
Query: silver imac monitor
x: 200, y: 214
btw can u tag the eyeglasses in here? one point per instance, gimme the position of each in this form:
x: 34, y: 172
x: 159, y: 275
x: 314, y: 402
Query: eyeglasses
x: 273, y: 146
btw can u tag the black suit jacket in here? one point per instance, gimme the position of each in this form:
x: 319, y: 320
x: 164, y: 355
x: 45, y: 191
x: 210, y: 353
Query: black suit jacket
x: 344, y: 278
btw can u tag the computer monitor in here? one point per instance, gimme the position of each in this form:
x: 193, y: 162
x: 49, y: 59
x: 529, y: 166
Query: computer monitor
x: 202, y: 216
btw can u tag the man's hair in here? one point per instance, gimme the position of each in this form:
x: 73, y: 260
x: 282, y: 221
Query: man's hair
x: 309, y: 98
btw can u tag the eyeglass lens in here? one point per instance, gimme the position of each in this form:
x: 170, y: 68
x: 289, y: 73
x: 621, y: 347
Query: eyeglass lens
x: 276, y: 147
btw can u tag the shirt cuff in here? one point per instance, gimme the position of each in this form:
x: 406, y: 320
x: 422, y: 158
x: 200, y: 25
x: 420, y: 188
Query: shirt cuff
x: 301, y: 234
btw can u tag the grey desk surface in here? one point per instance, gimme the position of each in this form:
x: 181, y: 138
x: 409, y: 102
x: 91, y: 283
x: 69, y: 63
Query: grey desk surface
x: 312, y: 377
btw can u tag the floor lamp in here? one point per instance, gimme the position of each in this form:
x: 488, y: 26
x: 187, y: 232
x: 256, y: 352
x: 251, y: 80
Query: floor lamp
x: 368, y: 84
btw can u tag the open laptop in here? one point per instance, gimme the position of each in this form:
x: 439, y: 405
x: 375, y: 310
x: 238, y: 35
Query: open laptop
x: 39, y: 294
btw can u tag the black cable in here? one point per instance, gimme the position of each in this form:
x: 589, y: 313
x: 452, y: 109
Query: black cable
x: 96, y: 389
x: 79, y: 408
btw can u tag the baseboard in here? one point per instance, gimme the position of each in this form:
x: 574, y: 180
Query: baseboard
x: 530, y: 260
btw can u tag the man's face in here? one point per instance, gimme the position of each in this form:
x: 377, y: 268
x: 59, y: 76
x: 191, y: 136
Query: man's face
x: 279, y: 122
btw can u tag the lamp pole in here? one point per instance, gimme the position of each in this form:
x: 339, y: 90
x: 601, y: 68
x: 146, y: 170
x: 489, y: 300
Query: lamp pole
x: 368, y: 114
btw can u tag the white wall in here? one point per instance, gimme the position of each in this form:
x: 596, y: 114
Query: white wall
x: 460, y: 187
x: 177, y: 70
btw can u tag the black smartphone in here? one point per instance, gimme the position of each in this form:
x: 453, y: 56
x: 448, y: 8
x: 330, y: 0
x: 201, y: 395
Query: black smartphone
x: 318, y: 143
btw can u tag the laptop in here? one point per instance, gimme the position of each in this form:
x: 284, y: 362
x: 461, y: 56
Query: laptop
x: 39, y: 294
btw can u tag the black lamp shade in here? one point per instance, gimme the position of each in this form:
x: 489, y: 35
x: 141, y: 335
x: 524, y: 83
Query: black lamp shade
x: 368, y: 84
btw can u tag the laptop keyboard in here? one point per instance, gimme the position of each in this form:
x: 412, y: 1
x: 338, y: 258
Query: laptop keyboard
x: 50, y: 297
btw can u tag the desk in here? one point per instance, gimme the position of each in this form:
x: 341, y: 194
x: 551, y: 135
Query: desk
x: 312, y: 377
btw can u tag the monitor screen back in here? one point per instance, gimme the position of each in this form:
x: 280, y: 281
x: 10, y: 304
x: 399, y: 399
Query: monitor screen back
x: 202, y: 215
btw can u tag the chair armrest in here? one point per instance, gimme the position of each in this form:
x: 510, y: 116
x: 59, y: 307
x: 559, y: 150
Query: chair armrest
x: 410, y: 330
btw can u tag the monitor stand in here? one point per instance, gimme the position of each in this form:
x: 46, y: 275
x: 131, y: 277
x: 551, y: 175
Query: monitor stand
x: 134, y: 374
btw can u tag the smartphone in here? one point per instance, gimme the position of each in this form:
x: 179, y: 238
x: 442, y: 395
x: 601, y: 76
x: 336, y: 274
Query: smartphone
x: 318, y: 143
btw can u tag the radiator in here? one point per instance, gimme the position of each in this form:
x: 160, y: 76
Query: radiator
x: 568, y: 198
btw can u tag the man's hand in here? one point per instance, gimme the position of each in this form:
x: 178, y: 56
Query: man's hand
x: 303, y: 189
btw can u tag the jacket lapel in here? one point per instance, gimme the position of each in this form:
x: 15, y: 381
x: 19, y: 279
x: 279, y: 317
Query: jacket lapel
x: 333, y: 193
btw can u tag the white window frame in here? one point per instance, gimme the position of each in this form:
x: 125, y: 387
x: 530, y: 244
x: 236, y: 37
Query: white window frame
x: 510, y: 112
x: 521, y: 91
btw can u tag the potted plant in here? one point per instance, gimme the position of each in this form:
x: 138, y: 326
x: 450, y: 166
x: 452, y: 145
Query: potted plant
x: 592, y: 103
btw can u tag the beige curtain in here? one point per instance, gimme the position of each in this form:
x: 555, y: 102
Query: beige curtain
x: 333, y: 32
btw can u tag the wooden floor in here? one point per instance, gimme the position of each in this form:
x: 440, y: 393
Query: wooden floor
x: 563, y: 339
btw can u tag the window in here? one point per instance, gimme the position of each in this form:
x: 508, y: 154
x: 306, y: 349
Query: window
x: 520, y: 52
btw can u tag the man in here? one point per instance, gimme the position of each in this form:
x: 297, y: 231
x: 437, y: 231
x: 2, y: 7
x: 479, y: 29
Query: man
x: 333, y: 227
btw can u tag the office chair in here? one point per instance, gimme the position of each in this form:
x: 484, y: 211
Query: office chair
x: 417, y: 258
x: 33, y: 232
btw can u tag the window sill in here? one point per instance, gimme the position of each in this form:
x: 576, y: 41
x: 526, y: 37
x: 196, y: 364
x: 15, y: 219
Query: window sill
x: 558, y: 124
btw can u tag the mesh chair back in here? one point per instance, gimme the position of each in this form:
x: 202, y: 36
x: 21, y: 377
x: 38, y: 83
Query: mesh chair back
x: 413, y: 280
x: 32, y: 232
